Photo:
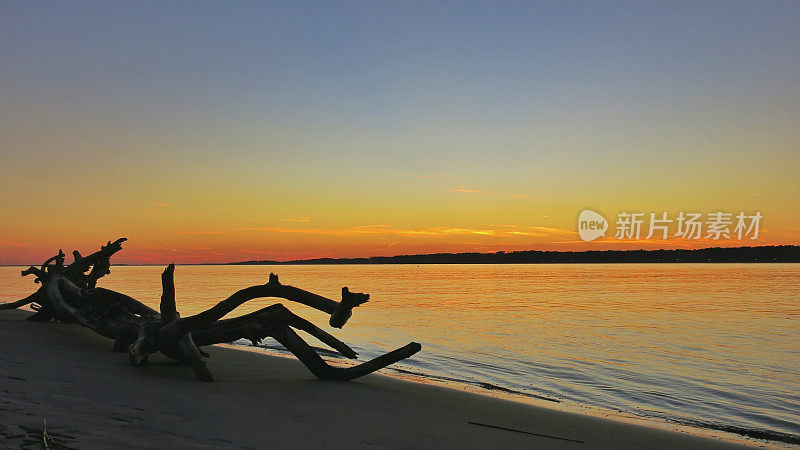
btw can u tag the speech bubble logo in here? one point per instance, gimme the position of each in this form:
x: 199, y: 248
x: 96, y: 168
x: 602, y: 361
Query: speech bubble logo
x: 591, y: 225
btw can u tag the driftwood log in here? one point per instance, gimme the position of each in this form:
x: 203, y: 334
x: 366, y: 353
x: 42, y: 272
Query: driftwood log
x: 69, y: 293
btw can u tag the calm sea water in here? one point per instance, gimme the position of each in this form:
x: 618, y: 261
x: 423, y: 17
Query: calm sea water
x: 713, y: 345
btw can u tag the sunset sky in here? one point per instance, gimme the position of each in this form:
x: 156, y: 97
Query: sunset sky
x: 225, y: 131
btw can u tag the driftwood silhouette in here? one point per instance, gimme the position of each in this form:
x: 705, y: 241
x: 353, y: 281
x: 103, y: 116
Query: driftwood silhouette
x: 69, y: 293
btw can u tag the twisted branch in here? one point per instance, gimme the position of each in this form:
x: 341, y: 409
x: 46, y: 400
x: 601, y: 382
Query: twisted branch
x: 69, y: 294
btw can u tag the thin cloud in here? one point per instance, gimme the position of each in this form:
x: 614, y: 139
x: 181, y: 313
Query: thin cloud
x: 514, y: 195
x: 388, y: 230
x: 12, y: 243
x: 671, y: 242
x: 298, y: 219
x: 387, y: 247
x: 467, y: 191
x: 499, y: 194
x: 383, y: 225
x: 553, y: 230
x: 423, y: 177
x: 207, y: 233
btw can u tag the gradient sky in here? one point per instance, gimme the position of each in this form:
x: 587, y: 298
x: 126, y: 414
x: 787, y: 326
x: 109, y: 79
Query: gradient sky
x: 225, y: 131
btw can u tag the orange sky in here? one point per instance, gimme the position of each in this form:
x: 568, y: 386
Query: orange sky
x: 287, y: 132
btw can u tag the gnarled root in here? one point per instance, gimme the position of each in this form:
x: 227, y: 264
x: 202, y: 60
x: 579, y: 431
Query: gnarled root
x: 68, y: 294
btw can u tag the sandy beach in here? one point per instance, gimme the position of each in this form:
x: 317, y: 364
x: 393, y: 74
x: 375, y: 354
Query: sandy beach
x: 92, y: 398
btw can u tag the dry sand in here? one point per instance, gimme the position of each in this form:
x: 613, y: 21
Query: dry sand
x: 92, y: 398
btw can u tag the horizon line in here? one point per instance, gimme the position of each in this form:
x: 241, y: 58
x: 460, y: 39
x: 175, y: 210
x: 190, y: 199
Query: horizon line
x: 498, y: 252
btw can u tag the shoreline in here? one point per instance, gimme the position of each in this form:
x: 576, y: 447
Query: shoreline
x: 730, y: 433
x: 91, y: 397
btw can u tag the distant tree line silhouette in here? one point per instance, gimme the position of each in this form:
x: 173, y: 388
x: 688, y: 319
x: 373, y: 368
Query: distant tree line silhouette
x: 762, y: 254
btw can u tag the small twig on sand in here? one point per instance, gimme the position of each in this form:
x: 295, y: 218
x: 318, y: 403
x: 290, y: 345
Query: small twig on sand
x: 45, y: 437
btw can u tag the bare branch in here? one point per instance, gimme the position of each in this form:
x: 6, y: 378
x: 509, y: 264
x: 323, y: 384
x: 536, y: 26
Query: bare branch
x: 105, y: 252
x: 321, y: 369
x: 258, y: 325
x: 49, y: 260
x: 345, y: 308
x: 272, y: 289
x: 27, y: 300
x: 60, y: 258
x: 169, y: 310
x: 33, y: 270
x: 195, y: 358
